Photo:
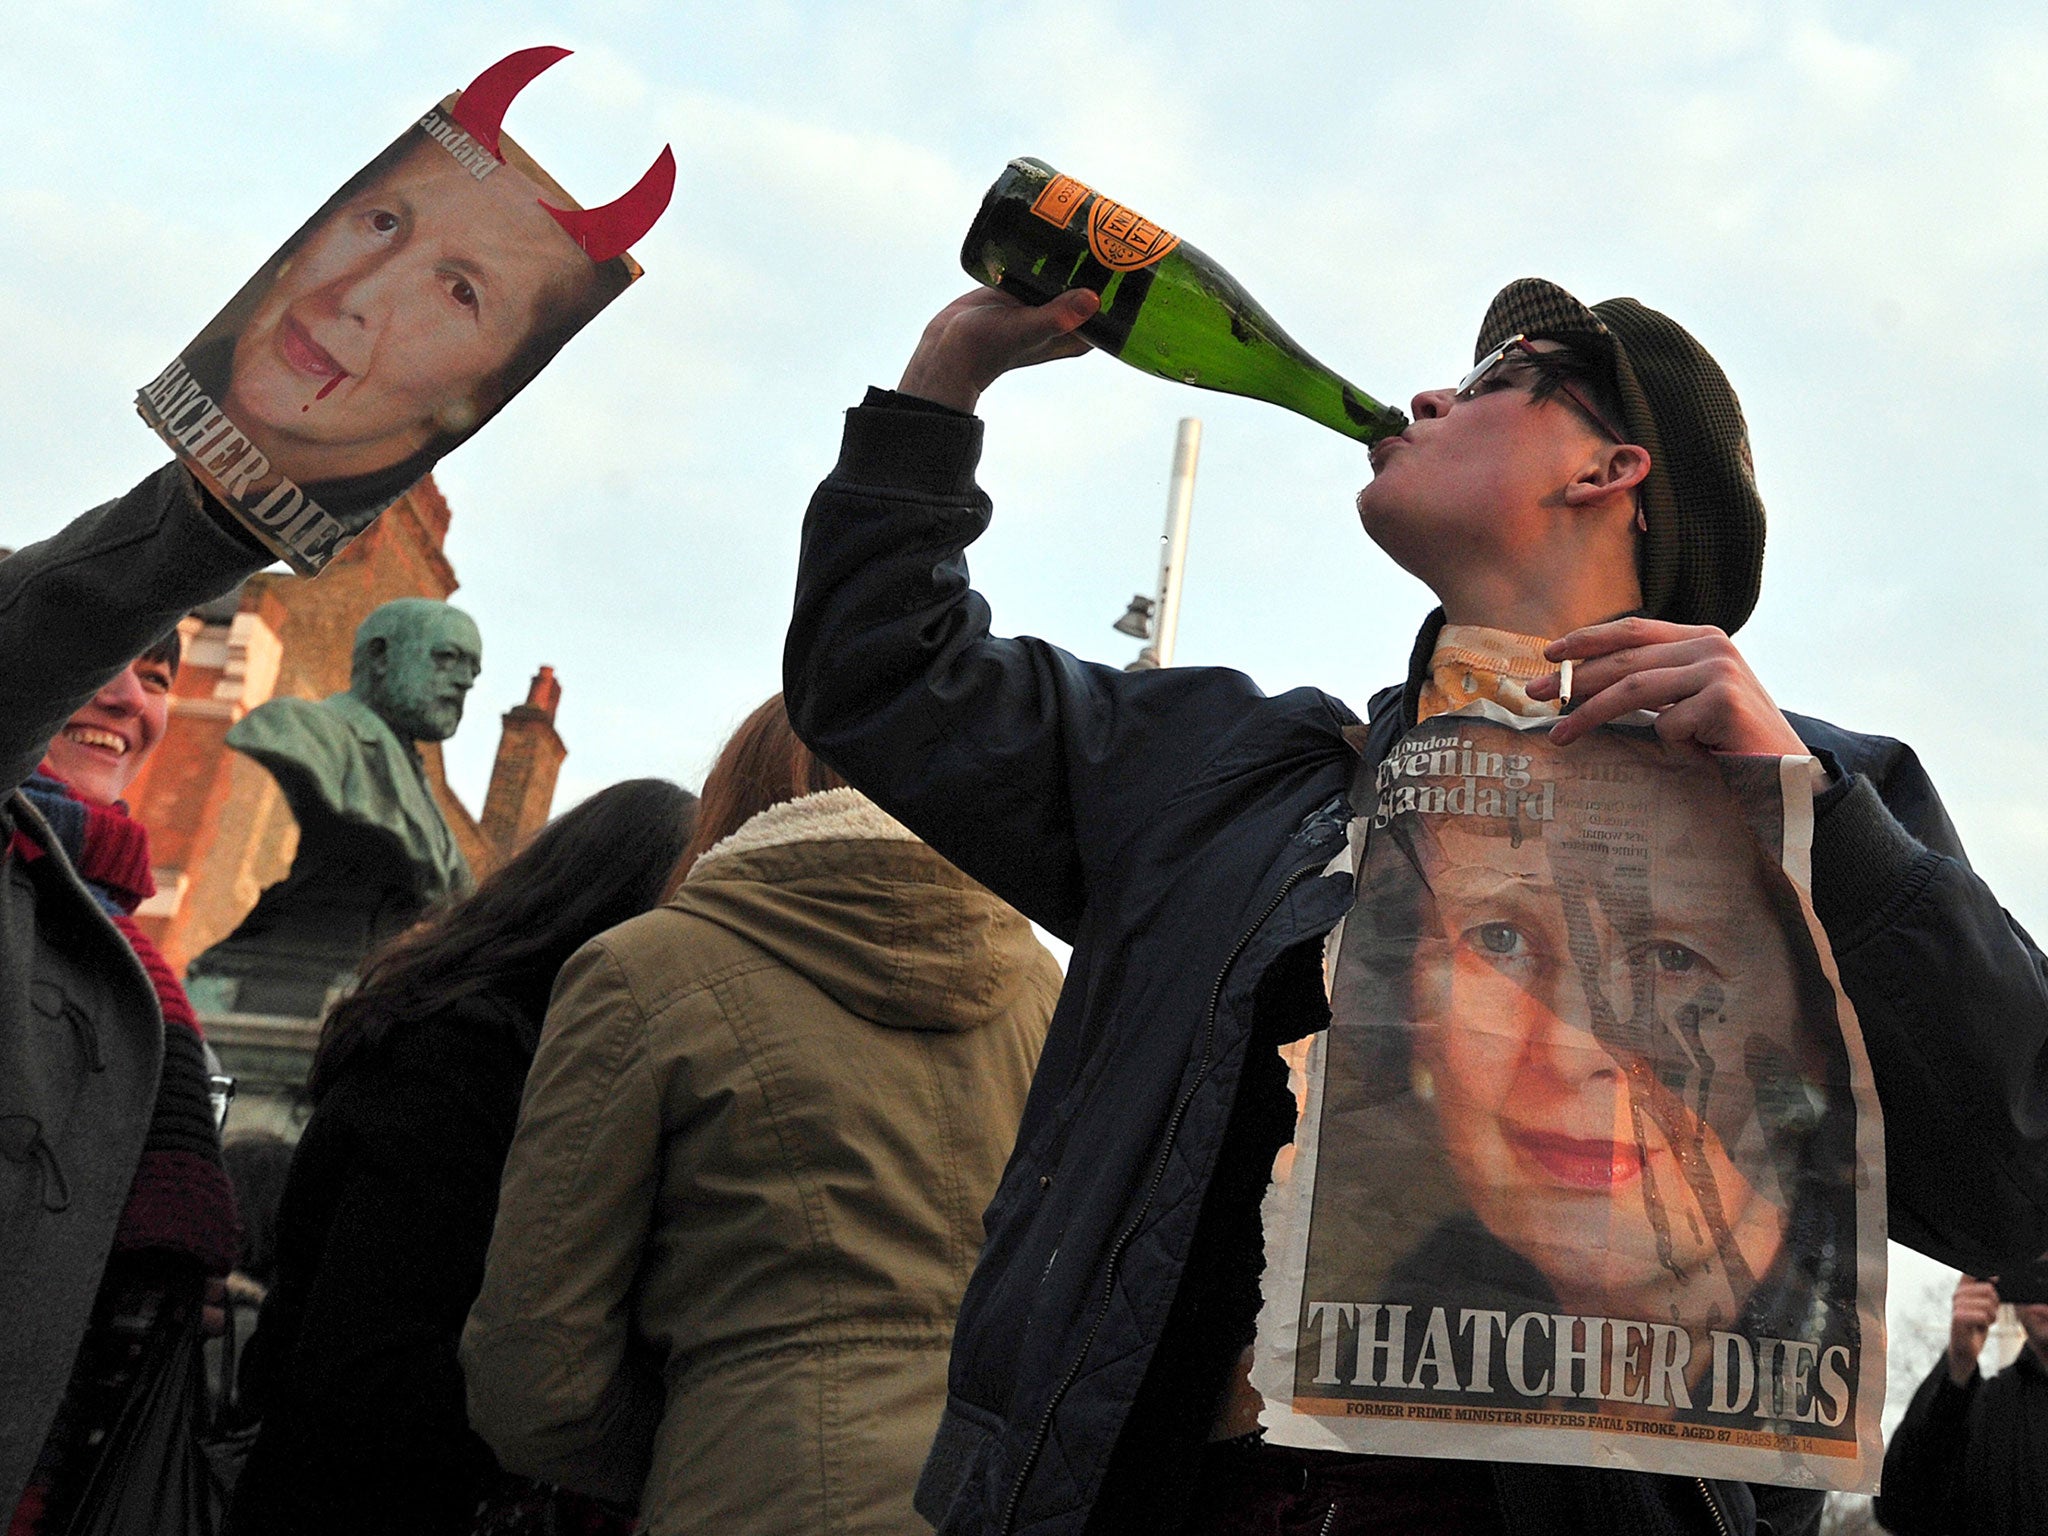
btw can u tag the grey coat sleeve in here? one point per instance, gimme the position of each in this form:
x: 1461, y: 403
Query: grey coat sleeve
x: 82, y: 604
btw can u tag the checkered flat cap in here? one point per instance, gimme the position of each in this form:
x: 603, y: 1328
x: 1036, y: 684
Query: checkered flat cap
x: 1702, y: 560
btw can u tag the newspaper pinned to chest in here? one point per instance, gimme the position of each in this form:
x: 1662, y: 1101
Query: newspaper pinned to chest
x: 1590, y: 1167
x: 416, y: 301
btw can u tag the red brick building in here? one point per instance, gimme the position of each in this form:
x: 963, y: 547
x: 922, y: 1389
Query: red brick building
x: 219, y: 828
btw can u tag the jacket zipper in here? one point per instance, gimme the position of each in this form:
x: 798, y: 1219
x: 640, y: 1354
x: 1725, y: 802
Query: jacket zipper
x: 1720, y: 1525
x: 1130, y: 1231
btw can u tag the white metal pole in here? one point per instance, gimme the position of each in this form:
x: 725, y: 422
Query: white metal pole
x: 1173, y: 553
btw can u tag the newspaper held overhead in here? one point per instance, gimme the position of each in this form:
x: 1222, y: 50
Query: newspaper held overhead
x: 398, y: 319
x: 1590, y: 1168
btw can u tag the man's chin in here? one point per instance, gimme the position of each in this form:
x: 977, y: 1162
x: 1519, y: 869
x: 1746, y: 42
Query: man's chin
x: 1377, y: 513
x: 424, y: 727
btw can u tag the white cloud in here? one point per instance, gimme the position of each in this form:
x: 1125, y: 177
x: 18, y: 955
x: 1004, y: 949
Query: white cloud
x: 1846, y: 74
x: 1652, y: 36
x: 599, y: 72
x: 355, y: 27
x: 778, y: 169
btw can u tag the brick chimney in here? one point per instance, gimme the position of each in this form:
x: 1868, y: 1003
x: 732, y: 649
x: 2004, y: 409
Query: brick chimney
x: 523, y: 778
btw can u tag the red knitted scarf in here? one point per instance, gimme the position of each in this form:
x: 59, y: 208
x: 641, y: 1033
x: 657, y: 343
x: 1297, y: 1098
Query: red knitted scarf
x: 181, y: 1200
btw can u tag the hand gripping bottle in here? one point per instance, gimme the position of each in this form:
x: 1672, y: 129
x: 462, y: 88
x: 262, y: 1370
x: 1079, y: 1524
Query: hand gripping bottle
x: 1166, y: 307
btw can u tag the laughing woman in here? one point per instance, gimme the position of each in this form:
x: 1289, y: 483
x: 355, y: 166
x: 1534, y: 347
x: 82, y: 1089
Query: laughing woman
x: 72, y: 1141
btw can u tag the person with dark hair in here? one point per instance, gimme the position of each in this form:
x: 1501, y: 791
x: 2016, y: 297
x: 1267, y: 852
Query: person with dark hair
x: 173, y: 1231
x: 1584, y: 494
x: 747, y: 1186
x: 256, y: 1163
x: 388, y: 1207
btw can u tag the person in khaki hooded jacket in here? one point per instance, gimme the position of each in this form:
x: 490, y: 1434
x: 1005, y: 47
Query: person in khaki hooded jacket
x: 746, y: 1191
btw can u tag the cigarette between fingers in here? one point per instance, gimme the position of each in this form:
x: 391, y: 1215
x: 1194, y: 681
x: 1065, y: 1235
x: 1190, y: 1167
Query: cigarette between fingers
x: 1564, y: 685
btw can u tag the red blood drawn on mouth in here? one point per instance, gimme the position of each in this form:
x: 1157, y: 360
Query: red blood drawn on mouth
x: 326, y: 389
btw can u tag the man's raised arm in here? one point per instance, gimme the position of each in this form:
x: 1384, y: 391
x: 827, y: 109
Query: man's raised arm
x: 1009, y: 756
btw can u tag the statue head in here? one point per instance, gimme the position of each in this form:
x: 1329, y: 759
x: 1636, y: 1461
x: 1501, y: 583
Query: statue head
x: 414, y: 661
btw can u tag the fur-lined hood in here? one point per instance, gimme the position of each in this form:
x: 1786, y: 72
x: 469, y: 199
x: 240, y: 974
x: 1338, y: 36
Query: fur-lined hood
x: 843, y: 893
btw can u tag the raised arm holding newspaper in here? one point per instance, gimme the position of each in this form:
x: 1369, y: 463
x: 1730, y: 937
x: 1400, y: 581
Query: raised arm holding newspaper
x: 412, y: 305
x: 82, y: 1038
x: 1584, y: 495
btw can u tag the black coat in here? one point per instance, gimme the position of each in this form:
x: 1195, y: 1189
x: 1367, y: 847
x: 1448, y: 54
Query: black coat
x: 1173, y: 826
x: 1971, y: 1460
x: 386, y: 1218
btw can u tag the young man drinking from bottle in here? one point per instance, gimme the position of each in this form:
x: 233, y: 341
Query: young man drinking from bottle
x: 1585, y: 497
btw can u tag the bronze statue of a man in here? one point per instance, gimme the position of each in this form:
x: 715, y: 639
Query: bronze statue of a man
x: 374, y: 850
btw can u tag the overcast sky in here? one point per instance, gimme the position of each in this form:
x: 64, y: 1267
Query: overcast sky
x: 1845, y: 203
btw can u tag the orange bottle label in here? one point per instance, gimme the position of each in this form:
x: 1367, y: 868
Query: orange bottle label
x: 1125, y: 241
x: 1058, y: 202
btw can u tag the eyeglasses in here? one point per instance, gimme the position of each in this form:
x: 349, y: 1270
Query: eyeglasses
x: 1518, y: 349
x: 220, y: 1093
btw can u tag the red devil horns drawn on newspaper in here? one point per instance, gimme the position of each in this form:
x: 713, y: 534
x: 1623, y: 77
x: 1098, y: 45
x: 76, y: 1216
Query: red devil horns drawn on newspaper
x: 480, y: 110
x: 603, y: 232
x: 610, y: 229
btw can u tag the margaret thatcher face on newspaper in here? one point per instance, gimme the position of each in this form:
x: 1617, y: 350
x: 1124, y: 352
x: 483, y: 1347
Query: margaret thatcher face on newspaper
x: 1586, y: 1055
x: 386, y: 326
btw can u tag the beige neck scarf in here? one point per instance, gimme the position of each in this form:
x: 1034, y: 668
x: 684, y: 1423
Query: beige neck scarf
x: 1474, y: 663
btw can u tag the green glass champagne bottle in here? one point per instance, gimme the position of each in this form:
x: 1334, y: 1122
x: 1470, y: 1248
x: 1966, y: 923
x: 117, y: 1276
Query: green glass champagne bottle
x: 1166, y: 307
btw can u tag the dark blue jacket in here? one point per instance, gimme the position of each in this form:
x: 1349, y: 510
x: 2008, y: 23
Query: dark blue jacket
x: 1172, y: 826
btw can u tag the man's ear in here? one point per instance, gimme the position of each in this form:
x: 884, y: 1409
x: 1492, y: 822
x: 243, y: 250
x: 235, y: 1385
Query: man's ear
x: 1617, y: 469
